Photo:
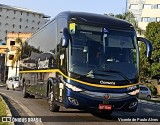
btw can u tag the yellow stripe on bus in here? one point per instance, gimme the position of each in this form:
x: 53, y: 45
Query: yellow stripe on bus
x: 86, y: 83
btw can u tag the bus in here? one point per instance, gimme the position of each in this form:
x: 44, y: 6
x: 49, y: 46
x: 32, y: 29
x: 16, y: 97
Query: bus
x: 83, y: 61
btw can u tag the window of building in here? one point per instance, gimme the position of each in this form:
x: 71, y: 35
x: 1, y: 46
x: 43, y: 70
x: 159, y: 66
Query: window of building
x: 13, y: 25
x: 133, y: 6
x: 21, y: 12
x: 20, y: 26
x: 158, y: 19
x: 33, y: 21
x: 146, y: 19
x: 153, y: 19
x: 14, y: 18
x: 7, y: 17
x: 12, y: 43
x: 20, y: 19
x: 11, y: 57
x: 147, y: 6
x: 6, y: 31
x: 32, y: 28
x: 154, y: 6
x: 38, y: 22
x: 27, y: 20
x: 14, y: 11
x: 158, y: 6
x: 26, y: 27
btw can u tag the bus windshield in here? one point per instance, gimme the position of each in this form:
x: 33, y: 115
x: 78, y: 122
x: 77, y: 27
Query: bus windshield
x: 99, y: 49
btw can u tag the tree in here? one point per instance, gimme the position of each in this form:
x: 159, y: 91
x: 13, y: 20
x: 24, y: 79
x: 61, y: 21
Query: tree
x: 128, y: 16
x: 17, y: 55
x: 153, y: 34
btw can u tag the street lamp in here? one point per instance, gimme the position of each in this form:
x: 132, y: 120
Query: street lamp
x: 5, y: 66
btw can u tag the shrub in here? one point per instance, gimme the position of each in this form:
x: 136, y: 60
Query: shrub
x: 152, y: 88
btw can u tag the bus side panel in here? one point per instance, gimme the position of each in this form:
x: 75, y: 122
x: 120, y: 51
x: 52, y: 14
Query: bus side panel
x: 40, y: 54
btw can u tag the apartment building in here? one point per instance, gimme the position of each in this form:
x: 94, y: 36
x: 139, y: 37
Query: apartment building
x: 12, y: 46
x: 16, y: 22
x: 145, y: 11
x: 15, y: 19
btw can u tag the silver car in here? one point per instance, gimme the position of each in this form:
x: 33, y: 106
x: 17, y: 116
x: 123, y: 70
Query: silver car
x: 144, y: 93
x: 12, y: 83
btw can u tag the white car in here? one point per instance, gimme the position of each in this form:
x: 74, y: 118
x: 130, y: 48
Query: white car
x: 144, y: 93
x: 13, y: 83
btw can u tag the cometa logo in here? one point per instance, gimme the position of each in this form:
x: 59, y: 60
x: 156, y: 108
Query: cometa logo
x: 108, y: 83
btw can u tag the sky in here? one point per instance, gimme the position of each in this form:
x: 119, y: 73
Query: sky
x: 53, y: 7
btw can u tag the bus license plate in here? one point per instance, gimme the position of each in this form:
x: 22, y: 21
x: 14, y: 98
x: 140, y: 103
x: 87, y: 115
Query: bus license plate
x: 105, y: 107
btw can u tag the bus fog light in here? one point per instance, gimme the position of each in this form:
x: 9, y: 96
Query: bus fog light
x: 73, y: 101
x: 133, y: 104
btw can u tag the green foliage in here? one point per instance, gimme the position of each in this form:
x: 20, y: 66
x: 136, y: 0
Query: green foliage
x: 128, y: 16
x: 3, y: 108
x: 153, y: 34
x: 18, y: 51
x: 152, y: 88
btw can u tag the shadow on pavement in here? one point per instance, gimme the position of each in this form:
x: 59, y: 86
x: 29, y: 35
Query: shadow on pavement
x: 16, y: 111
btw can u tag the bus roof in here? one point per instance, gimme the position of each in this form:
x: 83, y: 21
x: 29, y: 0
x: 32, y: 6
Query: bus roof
x: 100, y: 19
x: 97, y: 19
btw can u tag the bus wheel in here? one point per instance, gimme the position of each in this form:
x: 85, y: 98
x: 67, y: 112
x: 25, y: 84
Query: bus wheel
x: 52, y: 106
x: 25, y: 94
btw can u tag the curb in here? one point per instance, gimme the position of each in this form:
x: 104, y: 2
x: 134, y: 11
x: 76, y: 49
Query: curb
x: 9, y: 114
x: 149, y: 102
x: 24, y: 108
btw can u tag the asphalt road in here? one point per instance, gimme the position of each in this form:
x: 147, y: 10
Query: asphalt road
x: 39, y: 108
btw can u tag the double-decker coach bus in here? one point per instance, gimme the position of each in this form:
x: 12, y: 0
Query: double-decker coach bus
x: 84, y: 61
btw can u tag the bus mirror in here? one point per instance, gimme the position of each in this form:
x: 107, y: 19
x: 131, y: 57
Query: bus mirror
x: 65, y: 38
x: 148, y: 46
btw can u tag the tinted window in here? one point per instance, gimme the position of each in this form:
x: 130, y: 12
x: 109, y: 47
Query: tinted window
x: 143, y: 89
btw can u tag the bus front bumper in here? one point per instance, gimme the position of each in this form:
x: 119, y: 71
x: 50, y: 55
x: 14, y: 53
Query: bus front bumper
x: 92, y: 100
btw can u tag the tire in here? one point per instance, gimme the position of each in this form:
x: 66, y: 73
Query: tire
x: 51, y: 101
x: 13, y: 87
x: 7, y: 87
x: 148, y: 97
x: 25, y: 94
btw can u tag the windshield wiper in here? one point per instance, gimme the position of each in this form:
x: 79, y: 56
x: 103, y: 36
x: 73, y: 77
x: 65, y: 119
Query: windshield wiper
x: 120, y: 73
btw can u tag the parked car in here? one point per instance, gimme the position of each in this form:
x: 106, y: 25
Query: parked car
x: 144, y: 93
x: 13, y: 83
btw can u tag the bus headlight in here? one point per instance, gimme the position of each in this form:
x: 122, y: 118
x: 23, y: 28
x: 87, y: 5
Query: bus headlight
x: 135, y: 92
x: 72, y: 87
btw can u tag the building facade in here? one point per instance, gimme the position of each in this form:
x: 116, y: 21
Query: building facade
x: 16, y: 22
x: 12, y: 47
x: 145, y: 11
x: 14, y: 19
